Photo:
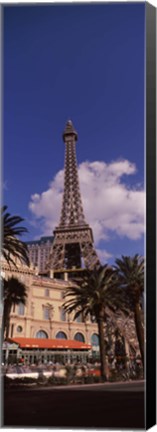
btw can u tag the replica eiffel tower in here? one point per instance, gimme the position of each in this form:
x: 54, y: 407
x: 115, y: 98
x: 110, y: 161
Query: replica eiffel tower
x: 73, y: 239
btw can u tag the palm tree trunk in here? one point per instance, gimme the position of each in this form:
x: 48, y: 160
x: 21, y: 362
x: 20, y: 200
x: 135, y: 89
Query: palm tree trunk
x: 51, y: 328
x: 7, y: 326
x: 139, y: 329
x: 2, y: 329
x: 100, y: 323
x: 6, y: 320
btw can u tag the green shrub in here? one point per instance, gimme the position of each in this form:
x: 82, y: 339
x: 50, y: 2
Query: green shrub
x: 89, y: 379
x: 26, y: 380
x: 52, y: 380
x: 41, y: 379
x: 97, y: 379
x: 78, y: 380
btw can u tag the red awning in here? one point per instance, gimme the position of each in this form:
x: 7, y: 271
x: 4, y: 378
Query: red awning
x: 49, y: 343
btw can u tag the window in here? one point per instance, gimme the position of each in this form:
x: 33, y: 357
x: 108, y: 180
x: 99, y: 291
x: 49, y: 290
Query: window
x: 32, y: 309
x: 61, y: 335
x: 62, y: 315
x: 19, y: 329
x: 79, y: 337
x: 47, y: 292
x: 46, y: 313
x: 94, y: 339
x: 79, y: 319
x: 21, y: 309
x: 41, y: 334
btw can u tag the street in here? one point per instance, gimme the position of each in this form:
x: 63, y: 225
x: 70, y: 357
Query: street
x: 109, y: 405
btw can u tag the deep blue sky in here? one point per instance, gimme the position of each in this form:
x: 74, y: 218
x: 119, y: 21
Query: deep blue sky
x: 84, y: 62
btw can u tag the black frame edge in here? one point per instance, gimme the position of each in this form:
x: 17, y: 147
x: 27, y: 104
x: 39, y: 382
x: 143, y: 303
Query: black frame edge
x: 150, y: 406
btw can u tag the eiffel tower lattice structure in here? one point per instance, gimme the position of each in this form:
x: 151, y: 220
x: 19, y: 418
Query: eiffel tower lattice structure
x: 73, y: 239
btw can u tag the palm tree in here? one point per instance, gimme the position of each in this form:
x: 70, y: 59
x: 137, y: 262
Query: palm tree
x: 92, y: 296
x: 12, y: 247
x: 130, y: 272
x: 14, y: 293
x: 51, y: 313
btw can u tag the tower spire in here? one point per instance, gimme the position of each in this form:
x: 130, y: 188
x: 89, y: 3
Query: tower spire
x: 73, y: 238
x: 69, y: 130
x: 72, y: 209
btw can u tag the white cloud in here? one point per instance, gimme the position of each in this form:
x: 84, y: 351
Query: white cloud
x: 103, y: 255
x: 110, y: 206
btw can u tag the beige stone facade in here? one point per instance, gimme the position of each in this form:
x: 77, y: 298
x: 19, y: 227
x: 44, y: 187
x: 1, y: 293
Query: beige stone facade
x: 43, y: 315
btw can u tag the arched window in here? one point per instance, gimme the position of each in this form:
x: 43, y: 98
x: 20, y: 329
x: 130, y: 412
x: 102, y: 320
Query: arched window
x: 41, y: 334
x: 21, y: 309
x: 46, y: 312
x: 94, y: 339
x: 61, y: 335
x: 62, y: 314
x: 79, y: 337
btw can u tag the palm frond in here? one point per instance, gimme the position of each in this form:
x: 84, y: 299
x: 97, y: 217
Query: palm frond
x: 12, y: 247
